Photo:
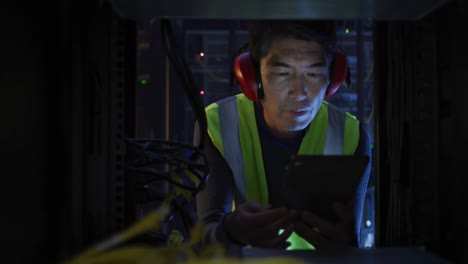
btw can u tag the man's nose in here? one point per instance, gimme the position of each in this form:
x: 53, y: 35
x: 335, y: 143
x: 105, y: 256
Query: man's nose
x: 297, y: 90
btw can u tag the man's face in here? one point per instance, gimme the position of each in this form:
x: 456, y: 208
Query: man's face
x: 295, y: 78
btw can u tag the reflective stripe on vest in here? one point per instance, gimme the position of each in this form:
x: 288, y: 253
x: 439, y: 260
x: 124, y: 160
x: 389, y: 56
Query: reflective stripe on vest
x: 229, y: 125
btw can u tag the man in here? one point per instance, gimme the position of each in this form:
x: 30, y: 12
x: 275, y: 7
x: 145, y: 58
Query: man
x: 253, y: 137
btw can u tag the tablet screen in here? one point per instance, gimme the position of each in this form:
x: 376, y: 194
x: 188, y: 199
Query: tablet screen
x: 315, y: 182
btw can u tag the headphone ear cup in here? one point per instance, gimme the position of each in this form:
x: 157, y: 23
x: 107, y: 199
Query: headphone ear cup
x: 338, y: 72
x: 245, y: 75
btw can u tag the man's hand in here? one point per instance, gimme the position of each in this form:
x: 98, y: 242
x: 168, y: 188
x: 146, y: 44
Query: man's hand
x: 324, y: 234
x: 258, y: 225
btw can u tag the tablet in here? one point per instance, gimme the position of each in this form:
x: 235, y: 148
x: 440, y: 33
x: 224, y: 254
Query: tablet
x: 315, y: 182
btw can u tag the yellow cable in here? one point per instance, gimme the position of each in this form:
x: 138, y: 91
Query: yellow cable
x: 103, y: 253
x: 151, y: 221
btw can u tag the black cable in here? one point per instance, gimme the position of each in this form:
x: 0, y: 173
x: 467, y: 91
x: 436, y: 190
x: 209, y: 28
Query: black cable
x: 173, y: 51
x: 159, y: 176
x: 151, y: 153
x: 149, y: 158
x: 174, y: 162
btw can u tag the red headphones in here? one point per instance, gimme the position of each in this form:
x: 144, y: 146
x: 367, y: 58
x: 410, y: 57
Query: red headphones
x: 248, y: 77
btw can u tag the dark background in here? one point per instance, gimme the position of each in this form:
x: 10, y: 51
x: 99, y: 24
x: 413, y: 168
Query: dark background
x: 68, y: 72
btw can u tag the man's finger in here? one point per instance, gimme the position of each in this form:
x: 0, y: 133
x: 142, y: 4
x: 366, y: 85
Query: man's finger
x: 280, y: 241
x: 269, y: 231
x: 265, y: 217
x: 314, y: 237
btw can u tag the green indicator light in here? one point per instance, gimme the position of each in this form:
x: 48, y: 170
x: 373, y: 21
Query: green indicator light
x: 143, y: 82
x: 346, y: 31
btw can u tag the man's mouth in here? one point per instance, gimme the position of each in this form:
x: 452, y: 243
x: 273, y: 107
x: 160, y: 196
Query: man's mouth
x: 298, y: 112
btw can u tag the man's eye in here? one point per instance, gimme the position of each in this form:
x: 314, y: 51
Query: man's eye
x: 282, y: 73
x: 313, y: 74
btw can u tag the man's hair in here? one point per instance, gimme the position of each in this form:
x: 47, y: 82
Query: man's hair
x: 262, y: 32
